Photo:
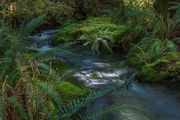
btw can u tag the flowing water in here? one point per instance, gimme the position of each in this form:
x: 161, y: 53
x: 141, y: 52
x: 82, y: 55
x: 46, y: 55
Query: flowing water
x: 99, y: 71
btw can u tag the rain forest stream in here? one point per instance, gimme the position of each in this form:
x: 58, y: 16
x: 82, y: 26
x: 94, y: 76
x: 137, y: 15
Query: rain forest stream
x: 99, y: 71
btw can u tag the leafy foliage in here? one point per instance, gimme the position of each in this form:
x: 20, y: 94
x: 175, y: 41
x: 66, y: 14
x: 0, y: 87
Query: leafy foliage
x: 33, y: 82
x: 124, y: 111
x: 99, y: 32
x: 71, y: 109
x: 27, y: 85
x: 13, y: 14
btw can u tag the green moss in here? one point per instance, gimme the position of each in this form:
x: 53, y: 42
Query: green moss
x: 159, y: 62
x: 67, y: 34
x: 178, y: 63
x: 99, y: 20
x: 134, y: 62
x: 60, y: 67
x: 172, y: 56
x: 92, y: 28
x: 164, y: 70
x: 149, y: 73
x: 88, y: 29
x: 28, y: 56
x: 69, y: 91
x: 137, y: 60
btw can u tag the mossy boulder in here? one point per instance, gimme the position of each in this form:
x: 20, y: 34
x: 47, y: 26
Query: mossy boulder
x: 156, y: 60
x: 89, y: 30
x: 141, y: 53
x: 69, y: 91
x: 150, y: 73
x: 66, y: 34
x: 137, y: 60
x: 164, y: 70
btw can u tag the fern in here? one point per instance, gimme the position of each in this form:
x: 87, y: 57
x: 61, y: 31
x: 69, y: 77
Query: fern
x: 176, y: 18
x: 69, y: 110
x: 5, y: 60
x: 72, y: 109
x: 155, y: 50
x: 48, y: 89
x: 95, y: 47
x: 29, y: 28
x: 170, y: 45
x: 101, y: 43
x: 139, y: 48
x: 16, y: 71
x: 19, y: 110
x: 84, y: 37
x: 125, y: 113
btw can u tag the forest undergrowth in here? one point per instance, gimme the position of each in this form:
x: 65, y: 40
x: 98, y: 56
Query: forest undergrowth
x: 35, y: 88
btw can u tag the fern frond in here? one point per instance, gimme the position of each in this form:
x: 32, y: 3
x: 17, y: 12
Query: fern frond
x: 84, y: 37
x: 100, y: 42
x: 5, y: 32
x: 171, y: 46
x: 5, y: 60
x: 139, y: 48
x: 48, y: 89
x: 47, y: 71
x: 95, y: 47
x: 44, y: 67
x: 18, y: 108
x: 28, y: 28
x: 110, y: 38
x: 126, y: 112
x: 74, y: 106
x: 107, y: 46
x: 156, y: 49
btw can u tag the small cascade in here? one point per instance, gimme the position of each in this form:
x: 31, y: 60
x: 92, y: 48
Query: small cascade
x: 42, y: 40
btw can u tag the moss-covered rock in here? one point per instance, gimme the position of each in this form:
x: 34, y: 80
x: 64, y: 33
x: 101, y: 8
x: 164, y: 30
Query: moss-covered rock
x: 156, y: 60
x: 66, y: 34
x: 100, y: 29
x: 150, y: 73
x: 137, y: 60
x: 69, y: 91
x: 164, y: 70
x: 68, y: 87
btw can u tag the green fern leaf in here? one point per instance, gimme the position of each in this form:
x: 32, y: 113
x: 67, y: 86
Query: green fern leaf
x: 126, y: 112
x: 155, y: 50
x: 95, y: 47
x: 50, y: 91
x: 28, y: 28
x: 171, y: 46
x: 107, y: 46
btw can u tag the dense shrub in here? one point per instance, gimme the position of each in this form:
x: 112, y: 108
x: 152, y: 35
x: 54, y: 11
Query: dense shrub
x: 18, y: 11
x: 164, y: 70
x: 56, y: 12
x: 156, y: 60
